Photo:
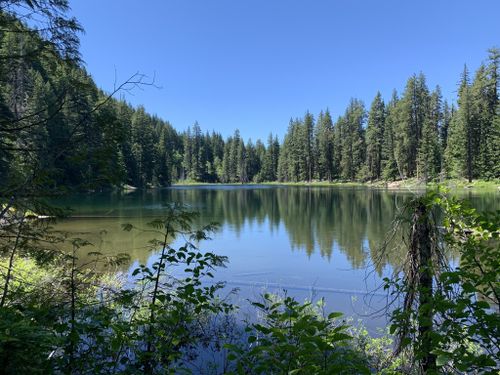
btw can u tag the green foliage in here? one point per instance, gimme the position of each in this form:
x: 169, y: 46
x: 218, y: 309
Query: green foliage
x: 463, y: 302
x: 388, y: 163
x: 24, y: 343
x: 59, y: 131
x: 378, y: 352
x: 413, y: 109
x: 294, y: 339
x: 375, y: 138
x: 67, y: 318
x: 325, y: 147
x: 353, y: 144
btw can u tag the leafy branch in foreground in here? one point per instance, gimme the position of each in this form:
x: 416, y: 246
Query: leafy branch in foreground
x: 172, y: 305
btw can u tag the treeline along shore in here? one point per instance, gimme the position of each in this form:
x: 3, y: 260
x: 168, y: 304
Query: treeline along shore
x: 48, y: 101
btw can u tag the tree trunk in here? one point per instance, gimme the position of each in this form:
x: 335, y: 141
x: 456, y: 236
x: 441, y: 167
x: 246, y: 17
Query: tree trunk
x: 422, y: 245
x: 11, y: 263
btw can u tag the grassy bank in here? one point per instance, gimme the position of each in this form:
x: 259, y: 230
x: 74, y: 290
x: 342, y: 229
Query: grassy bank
x: 413, y: 183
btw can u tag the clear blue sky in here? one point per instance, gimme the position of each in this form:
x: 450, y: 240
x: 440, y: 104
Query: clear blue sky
x: 253, y: 64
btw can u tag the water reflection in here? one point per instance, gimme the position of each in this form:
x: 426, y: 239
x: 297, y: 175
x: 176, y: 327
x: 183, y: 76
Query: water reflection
x: 315, y: 219
x: 310, y: 241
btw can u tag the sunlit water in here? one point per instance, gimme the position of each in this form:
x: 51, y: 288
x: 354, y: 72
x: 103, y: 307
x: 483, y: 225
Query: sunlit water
x: 313, y: 242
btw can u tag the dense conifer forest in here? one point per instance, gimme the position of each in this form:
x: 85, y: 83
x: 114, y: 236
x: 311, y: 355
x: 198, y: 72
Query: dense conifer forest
x: 48, y: 101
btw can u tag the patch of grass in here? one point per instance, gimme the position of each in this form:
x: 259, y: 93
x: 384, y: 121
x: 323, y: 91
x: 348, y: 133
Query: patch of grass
x: 411, y: 183
x: 480, y: 185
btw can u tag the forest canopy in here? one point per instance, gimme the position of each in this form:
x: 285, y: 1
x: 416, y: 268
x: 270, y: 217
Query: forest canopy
x: 59, y: 129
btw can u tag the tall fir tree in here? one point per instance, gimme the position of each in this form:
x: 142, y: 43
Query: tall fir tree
x: 307, y: 141
x: 375, y: 137
x: 389, y: 165
x: 486, y: 100
x: 413, y: 108
x: 459, y: 154
x: 324, y: 141
x: 445, y: 124
x: 353, y: 145
x: 429, y: 150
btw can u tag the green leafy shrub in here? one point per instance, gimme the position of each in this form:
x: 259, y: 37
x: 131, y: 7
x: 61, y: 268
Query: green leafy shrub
x: 294, y: 338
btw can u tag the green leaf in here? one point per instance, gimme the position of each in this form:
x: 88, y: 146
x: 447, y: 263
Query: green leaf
x: 443, y: 359
x: 335, y: 315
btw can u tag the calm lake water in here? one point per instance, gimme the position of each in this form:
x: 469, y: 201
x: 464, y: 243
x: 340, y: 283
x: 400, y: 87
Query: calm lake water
x: 312, y: 241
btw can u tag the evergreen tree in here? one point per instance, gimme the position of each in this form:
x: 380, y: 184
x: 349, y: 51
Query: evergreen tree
x: 275, y: 154
x: 375, y: 137
x: 443, y: 131
x: 197, y: 159
x: 307, y: 138
x: 270, y: 160
x: 324, y: 140
x: 428, y: 162
x: 353, y: 146
x: 253, y: 161
x: 283, y: 170
x: 486, y: 100
x: 463, y: 135
x: 241, y: 160
x: 495, y: 146
x: 338, y: 131
x: 188, y: 153
x: 429, y: 151
x: 413, y: 108
x: 142, y: 147
x: 456, y: 149
x: 294, y: 145
x: 163, y: 163
x: 389, y: 165
x: 226, y: 174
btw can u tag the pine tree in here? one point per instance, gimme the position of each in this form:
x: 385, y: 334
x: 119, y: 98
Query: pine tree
x: 375, y: 137
x: 275, y: 153
x: 353, y: 146
x: 466, y: 120
x: 282, y: 172
x: 253, y: 161
x: 389, y: 165
x: 338, y: 131
x: 188, y: 153
x: 164, y: 162
x: 241, y: 162
x: 307, y: 138
x: 429, y: 152
x: 459, y: 157
x: 294, y: 144
x: 495, y: 146
x: 324, y: 140
x: 226, y: 173
x: 486, y: 100
x: 428, y: 160
x: 143, y: 147
x: 270, y: 160
x: 445, y: 124
x: 413, y: 108
x: 197, y: 171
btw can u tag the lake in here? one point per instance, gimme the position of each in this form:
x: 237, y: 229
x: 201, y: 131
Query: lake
x: 312, y: 241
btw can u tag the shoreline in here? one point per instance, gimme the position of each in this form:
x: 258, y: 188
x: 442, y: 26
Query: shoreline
x: 452, y: 184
